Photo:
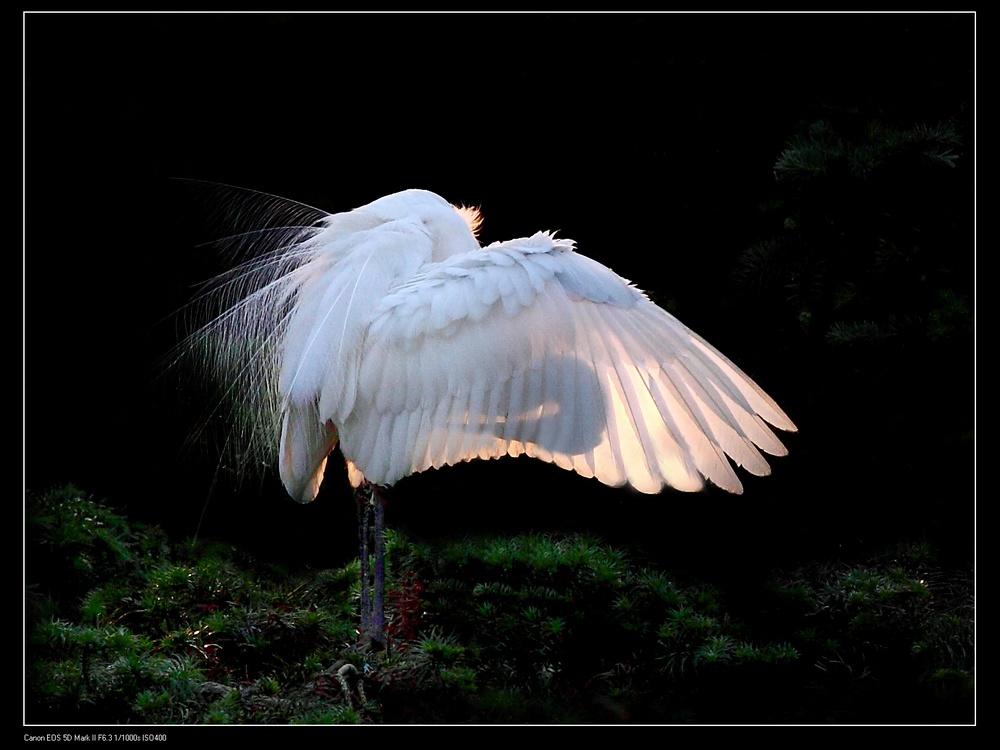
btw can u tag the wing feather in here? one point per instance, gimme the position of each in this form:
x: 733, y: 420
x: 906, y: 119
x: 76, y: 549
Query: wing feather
x: 457, y: 426
x: 399, y: 454
x: 527, y: 347
x: 716, y: 415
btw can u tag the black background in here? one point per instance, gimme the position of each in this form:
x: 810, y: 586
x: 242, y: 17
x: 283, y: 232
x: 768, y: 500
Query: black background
x: 648, y: 139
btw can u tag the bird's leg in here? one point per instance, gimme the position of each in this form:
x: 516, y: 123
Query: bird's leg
x: 378, y: 598
x: 371, y: 534
x: 364, y: 503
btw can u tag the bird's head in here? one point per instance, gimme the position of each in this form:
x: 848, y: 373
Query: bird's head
x: 452, y: 228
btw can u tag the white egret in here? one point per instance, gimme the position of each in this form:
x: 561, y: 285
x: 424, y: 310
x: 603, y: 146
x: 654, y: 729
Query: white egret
x: 390, y: 330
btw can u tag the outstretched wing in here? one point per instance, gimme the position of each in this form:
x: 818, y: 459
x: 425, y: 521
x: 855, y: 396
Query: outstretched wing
x: 526, y: 347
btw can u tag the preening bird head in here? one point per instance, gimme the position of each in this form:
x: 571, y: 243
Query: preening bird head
x: 452, y: 229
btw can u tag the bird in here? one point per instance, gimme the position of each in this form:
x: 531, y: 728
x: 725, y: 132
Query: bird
x: 390, y: 331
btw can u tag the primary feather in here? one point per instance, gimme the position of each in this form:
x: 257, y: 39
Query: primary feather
x: 391, y: 330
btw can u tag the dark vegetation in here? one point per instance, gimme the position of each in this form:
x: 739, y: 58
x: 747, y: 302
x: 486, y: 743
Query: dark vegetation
x: 125, y: 627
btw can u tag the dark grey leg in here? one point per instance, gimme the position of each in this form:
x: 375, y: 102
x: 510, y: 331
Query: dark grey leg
x: 371, y: 536
x: 378, y: 597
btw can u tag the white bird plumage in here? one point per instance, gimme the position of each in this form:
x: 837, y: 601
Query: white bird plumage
x: 391, y: 330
